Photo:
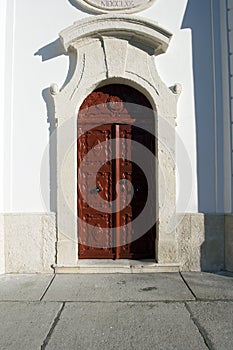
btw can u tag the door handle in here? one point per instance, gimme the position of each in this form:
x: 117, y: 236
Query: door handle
x: 95, y: 190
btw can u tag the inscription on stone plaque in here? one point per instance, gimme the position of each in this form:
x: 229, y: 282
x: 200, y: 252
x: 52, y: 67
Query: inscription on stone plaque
x: 115, y: 5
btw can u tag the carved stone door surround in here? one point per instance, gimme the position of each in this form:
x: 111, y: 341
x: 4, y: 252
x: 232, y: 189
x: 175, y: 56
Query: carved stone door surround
x: 114, y: 49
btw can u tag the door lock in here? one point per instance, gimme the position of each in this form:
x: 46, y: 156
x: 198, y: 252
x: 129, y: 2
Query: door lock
x: 97, y: 189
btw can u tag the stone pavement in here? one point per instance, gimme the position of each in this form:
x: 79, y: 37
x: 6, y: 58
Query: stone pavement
x: 117, y: 311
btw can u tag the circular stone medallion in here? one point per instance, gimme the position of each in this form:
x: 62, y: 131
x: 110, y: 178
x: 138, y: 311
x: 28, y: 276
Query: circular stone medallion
x: 123, y: 6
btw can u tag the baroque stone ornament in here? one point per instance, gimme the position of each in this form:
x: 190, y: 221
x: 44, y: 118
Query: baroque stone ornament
x: 123, y: 6
x: 113, y: 49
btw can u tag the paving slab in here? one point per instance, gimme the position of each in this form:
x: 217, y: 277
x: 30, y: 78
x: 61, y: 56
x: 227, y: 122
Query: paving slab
x: 125, y: 326
x: 23, y: 287
x: 118, y: 287
x: 25, y: 325
x: 210, y: 286
x: 215, y: 320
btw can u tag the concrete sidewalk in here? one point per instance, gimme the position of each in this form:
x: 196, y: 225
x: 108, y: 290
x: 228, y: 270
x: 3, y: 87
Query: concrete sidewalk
x: 117, y: 311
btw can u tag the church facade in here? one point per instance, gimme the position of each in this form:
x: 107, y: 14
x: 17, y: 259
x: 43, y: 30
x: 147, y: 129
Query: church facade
x: 116, y: 136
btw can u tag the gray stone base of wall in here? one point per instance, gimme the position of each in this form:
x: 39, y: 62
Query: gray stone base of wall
x: 229, y: 242
x: 28, y: 242
x: 205, y: 242
x: 2, y: 253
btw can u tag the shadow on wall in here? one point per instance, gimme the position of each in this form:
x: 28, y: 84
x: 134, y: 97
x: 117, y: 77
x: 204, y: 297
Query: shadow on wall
x: 203, y: 17
x: 46, y: 94
x: 212, y: 250
x: 51, y: 50
x: 47, y: 52
x: 202, y: 240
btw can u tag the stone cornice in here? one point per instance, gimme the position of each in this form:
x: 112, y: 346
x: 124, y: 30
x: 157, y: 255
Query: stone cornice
x: 132, y: 28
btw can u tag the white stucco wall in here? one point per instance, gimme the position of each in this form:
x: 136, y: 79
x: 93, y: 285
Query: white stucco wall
x: 229, y: 109
x: 31, y: 25
x: 176, y: 67
x: 2, y: 88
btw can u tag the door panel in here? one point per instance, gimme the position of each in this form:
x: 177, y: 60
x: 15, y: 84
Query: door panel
x: 143, y: 247
x: 94, y: 230
x: 97, y: 220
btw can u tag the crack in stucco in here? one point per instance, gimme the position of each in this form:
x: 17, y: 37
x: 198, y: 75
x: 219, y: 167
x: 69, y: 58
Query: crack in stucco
x: 81, y: 75
x: 147, y: 81
x: 105, y: 55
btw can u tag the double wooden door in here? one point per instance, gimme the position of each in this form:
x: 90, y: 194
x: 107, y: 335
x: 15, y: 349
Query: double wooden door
x: 106, y: 175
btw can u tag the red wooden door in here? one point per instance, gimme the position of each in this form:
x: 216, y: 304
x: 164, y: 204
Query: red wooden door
x: 96, y: 237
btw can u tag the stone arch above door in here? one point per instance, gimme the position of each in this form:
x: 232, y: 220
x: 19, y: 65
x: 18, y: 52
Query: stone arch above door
x: 103, y: 50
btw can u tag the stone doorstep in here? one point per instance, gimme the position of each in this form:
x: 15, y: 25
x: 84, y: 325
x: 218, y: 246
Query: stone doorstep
x: 117, y: 266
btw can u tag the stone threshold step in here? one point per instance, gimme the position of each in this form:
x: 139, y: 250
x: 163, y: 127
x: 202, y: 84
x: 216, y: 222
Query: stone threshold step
x: 116, y: 266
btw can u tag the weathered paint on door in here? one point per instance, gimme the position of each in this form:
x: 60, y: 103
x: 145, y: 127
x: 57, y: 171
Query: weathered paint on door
x: 97, y: 240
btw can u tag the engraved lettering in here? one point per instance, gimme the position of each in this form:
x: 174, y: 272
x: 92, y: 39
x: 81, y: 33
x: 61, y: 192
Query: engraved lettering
x: 117, y: 3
